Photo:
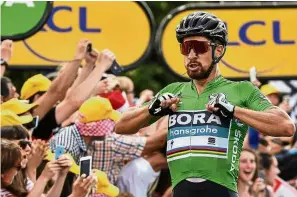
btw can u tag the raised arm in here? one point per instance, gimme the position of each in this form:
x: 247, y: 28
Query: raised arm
x: 86, y: 69
x: 82, y: 92
x: 6, y: 53
x: 64, y: 80
x: 273, y: 121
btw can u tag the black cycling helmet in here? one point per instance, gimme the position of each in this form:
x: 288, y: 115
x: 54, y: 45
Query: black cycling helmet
x: 202, y: 24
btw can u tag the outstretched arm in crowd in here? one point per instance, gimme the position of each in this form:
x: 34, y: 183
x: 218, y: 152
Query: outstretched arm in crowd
x: 86, y: 69
x: 64, y: 80
x: 59, y: 167
x: 127, y: 85
x: 6, y: 53
x: 65, y: 164
x: 75, y: 98
x: 158, y: 139
x: 82, y: 186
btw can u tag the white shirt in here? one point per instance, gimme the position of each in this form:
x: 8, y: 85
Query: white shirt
x: 137, y: 177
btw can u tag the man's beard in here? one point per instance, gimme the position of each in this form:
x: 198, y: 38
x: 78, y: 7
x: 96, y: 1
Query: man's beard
x: 202, y: 74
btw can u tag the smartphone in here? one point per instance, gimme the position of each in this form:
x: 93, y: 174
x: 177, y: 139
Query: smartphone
x: 60, y: 150
x: 261, y: 174
x: 33, y: 124
x: 85, y: 164
x: 253, y: 74
x: 89, y: 48
x: 115, y: 68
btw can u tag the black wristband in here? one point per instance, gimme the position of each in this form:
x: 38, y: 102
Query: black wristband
x: 4, y: 63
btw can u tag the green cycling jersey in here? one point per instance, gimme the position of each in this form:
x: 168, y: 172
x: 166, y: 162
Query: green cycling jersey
x: 204, y: 145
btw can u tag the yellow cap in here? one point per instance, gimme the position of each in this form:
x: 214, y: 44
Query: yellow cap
x: 9, y: 118
x: 37, y: 83
x: 17, y: 106
x: 97, y: 108
x: 269, y: 89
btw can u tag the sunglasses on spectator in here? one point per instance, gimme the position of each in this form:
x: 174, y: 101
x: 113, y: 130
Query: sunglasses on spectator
x: 199, y: 47
x: 23, y: 144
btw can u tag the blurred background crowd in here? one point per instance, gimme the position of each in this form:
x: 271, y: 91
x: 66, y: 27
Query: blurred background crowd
x: 77, y: 104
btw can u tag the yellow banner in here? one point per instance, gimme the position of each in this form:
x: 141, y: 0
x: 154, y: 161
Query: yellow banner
x: 262, y: 37
x: 123, y: 27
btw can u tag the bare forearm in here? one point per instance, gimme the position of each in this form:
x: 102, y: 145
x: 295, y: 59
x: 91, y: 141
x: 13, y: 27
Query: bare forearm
x: 132, y: 120
x: 273, y: 122
x: 31, y: 173
x: 66, y: 78
x: 85, y: 72
x: 79, y: 94
x: 57, y: 89
x: 57, y: 187
x: 84, y: 90
x: 154, y: 142
x: 38, y: 187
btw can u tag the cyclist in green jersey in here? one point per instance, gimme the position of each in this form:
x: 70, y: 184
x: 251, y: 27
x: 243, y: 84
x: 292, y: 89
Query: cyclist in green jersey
x: 208, y: 116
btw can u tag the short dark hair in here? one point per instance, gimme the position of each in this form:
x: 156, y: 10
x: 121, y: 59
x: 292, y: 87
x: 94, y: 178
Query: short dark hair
x: 265, y: 160
x: 4, y: 86
x: 16, y: 132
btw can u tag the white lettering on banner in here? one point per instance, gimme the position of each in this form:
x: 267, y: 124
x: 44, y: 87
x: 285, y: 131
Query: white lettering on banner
x: 10, y: 3
x: 235, y: 149
x: 184, y: 119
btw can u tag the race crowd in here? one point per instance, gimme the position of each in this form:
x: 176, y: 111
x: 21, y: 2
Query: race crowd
x: 78, y: 106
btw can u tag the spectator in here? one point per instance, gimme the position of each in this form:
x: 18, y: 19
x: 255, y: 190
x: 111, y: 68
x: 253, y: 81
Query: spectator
x: 25, y: 181
x: 11, y: 158
x: 117, y: 100
x: 271, y: 93
x: 20, y: 108
x: 111, y: 153
x: 145, y: 96
x: 274, y: 96
x: 249, y: 184
x: 96, y: 118
x: 8, y: 90
x: 81, y: 89
x: 269, y: 166
x: 140, y: 176
x: 9, y: 118
x: 127, y: 85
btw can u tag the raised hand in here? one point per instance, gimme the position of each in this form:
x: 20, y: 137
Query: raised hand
x: 81, y: 50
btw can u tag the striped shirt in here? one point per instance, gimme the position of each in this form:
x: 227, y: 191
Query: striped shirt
x: 6, y: 193
x: 70, y: 138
